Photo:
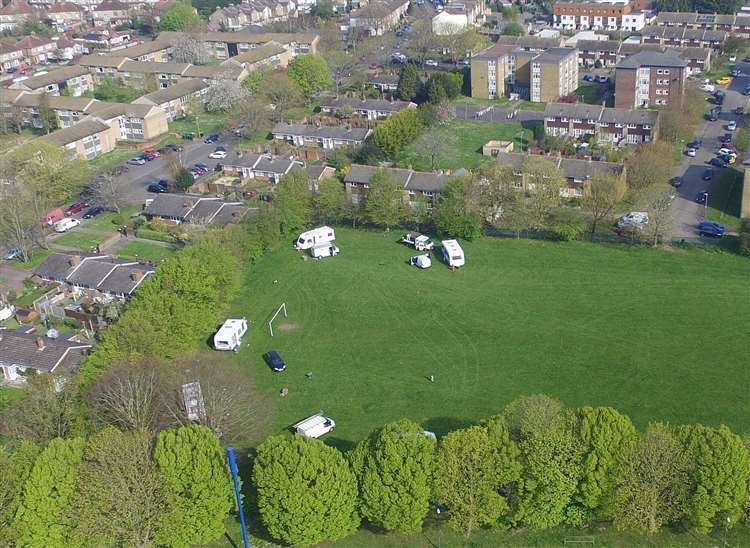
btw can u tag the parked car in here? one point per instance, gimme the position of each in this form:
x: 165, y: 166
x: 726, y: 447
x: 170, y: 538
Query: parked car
x: 152, y: 152
x: 728, y: 149
x: 156, y: 188
x: 739, y: 110
x: 211, y: 138
x: 274, y: 361
x: 732, y: 125
x: 690, y: 151
x: 732, y: 58
x: 746, y: 60
x: 12, y: 254
x: 677, y: 182
x: 723, y: 81
x: 710, y: 88
x: 730, y: 158
x: 708, y: 174
x: 93, y: 212
x: 602, y: 79
x: 735, y: 73
x: 726, y: 138
x: 65, y: 225
x: 137, y: 161
x: 588, y: 78
x: 718, y: 162
x: 701, y: 197
x: 148, y: 156
x: 431, y: 63
x: 176, y: 148
x: 697, y: 143
x: 712, y: 229
x: 76, y: 208
x: 218, y: 154
x: 266, y: 197
x: 464, y: 62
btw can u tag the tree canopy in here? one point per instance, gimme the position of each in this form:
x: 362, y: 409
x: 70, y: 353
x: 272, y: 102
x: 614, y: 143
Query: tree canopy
x: 455, y: 214
x: 384, y: 203
x: 180, y: 16
x: 311, y: 73
x: 400, y: 129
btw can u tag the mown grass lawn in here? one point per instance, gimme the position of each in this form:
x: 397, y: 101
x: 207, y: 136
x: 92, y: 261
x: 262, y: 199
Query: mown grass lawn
x: 145, y: 252
x: 660, y: 335
x: 591, y: 94
x: 500, y: 102
x: 106, y: 221
x: 37, y: 257
x: 466, y: 138
x: 113, y: 158
x: 204, y: 122
x: 85, y: 241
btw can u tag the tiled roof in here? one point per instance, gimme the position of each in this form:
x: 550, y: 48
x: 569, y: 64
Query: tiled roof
x: 323, y: 132
x: 17, y: 7
x: 253, y: 55
x: 40, y: 353
x: 84, y: 128
x: 185, y: 207
x: 379, y: 105
x: 175, y: 91
x: 651, y: 59
x: 53, y: 77
x: 423, y: 181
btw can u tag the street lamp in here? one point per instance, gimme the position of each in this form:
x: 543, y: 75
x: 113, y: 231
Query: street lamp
x: 705, y: 207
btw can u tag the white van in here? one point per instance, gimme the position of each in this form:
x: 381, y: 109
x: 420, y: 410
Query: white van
x: 316, y: 236
x: 314, y: 426
x: 452, y: 253
x: 229, y: 336
x: 65, y: 224
x: 325, y: 250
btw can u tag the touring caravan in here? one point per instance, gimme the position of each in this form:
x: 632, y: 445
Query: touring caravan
x: 325, y: 250
x: 316, y: 236
x: 229, y: 336
x: 452, y: 253
x: 314, y: 426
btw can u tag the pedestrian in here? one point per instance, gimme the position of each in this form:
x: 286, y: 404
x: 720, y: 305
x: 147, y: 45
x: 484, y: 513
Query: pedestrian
x: 432, y: 378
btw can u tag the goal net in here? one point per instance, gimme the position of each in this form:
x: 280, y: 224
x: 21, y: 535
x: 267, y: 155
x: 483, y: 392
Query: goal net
x: 281, y: 308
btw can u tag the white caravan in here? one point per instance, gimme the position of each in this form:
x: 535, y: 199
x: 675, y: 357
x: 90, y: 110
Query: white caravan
x: 452, y: 253
x: 314, y: 426
x: 325, y: 250
x: 229, y: 336
x: 316, y: 236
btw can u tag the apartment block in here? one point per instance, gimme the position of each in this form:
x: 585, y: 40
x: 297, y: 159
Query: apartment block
x: 610, y: 15
x: 612, y: 126
x: 554, y: 74
x: 649, y: 79
x: 610, y: 52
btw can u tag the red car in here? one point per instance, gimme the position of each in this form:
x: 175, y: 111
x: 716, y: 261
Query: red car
x: 152, y: 152
x: 76, y: 208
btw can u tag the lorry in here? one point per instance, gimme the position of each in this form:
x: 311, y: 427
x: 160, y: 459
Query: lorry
x: 418, y: 241
x: 325, y: 250
x: 314, y: 426
x: 229, y: 336
x: 316, y: 236
x: 453, y: 255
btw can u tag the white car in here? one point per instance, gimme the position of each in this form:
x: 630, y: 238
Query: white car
x: 634, y: 218
x: 218, y: 154
x: 431, y: 63
x: 732, y: 58
x: 732, y: 125
x: 65, y: 225
x: 710, y: 88
x: 602, y: 79
x: 690, y: 152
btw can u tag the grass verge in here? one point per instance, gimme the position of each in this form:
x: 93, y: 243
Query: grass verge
x: 85, y: 241
x: 145, y: 252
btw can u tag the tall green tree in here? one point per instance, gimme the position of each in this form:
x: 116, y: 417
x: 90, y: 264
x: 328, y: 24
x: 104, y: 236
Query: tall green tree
x: 601, y: 195
x: 293, y: 200
x: 719, y: 472
x: 545, y: 181
x: 653, y: 482
x: 408, y: 82
x: 469, y: 472
x: 455, y: 213
x: 184, y: 179
x: 330, y: 200
x: 199, y: 488
x: 393, y: 134
x: 606, y: 436
x: 44, y: 517
x: 120, y: 496
x: 394, y: 469
x: 384, y: 203
x: 16, y: 465
x: 47, y: 116
x: 307, y: 492
x: 180, y: 16
x: 312, y: 74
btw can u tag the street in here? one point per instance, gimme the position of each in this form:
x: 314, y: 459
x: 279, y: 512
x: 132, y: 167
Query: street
x: 686, y: 213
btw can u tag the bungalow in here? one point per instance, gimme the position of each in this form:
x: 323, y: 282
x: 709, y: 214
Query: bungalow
x: 23, y: 353
x: 327, y: 137
x: 88, y: 139
x: 317, y: 173
x: 260, y: 166
x: 384, y: 82
x: 614, y: 126
x: 98, y: 276
x: 176, y: 100
x: 418, y: 185
x: 185, y: 208
x: 372, y: 109
x: 272, y: 55
x: 72, y: 80
x: 577, y: 172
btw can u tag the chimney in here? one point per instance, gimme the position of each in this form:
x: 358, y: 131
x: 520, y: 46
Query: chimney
x: 74, y: 260
x: 136, y: 275
x: 40, y: 344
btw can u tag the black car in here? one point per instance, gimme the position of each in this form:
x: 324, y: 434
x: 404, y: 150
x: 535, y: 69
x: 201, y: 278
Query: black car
x: 718, y: 162
x: 677, y: 182
x: 201, y: 165
x: 708, y: 174
x: 156, y: 188
x: 93, y: 212
x: 211, y: 138
x: 697, y: 143
x: 726, y: 138
x: 188, y: 136
x: 701, y: 197
x: 274, y: 361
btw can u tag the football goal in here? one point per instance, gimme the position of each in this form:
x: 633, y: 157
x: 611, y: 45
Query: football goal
x: 281, y: 308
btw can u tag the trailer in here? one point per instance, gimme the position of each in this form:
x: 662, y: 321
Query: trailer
x: 418, y: 241
x: 453, y: 255
x: 316, y: 236
x: 421, y: 261
x: 314, y: 426
x: 325, y: 250
x: 229, y: 336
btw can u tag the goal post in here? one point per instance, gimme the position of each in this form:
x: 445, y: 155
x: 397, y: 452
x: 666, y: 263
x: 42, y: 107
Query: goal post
x: 282, y: 308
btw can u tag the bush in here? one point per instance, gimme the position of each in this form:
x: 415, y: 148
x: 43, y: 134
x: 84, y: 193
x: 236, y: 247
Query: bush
x: 155, y: 235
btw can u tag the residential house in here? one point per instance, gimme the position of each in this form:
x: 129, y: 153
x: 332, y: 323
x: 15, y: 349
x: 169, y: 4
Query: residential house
x: 97, y: 276
x: 378, y: 16
x: 684, y: 37
x: 609, y: 15
x: 271, y: 55
x: 318, y: 173
x: 385, y: 83
x: 458, y: 15
x: 419, y: 186
x: 649, y: 79
x: 186, y: 208
x: 64, y: 16
x: 578, y: 173
x: 111, y: 13
x: 372, y: 109
x: 104, y: 41
x: 610, y: 52
x: 37, y: 49
x: 260, y: 166
x: 327, y: 137
x: 24, y: 353
x: 13, y: 14
x: 67, y: 49
x: 223, y: 45
x: 613, y: 126
x: 87, y: 139
x: 176, y: 100
x: 11, y: 57
x: 103, y: 66
x: 156, y: 50
x: 252, y: 12
x: 68, y: 110
x: 738, y: 24
x: 72, y: 80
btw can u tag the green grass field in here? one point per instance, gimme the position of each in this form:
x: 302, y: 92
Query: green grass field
x: 84, y: 241
x: 467, y: 137
x: 105, y: 221
x: 37, y: 257
x: 145, y: 251
x: 660, y: 335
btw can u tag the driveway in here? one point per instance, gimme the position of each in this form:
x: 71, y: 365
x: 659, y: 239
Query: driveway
x: 686, y: 213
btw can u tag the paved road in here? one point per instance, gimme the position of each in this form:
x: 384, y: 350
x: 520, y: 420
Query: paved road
x: 686, y: 213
